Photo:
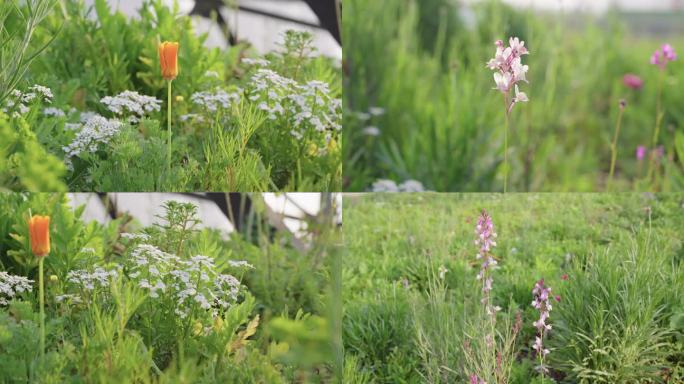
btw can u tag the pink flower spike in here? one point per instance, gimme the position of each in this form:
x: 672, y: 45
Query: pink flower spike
x: 640, y: 152
x: 632, y: 81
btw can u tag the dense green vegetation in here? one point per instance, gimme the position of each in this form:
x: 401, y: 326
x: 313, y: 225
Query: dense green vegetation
x: 423, y: 62
x: 169, y: 303
x: 412, y: 311
x: 239, y: 121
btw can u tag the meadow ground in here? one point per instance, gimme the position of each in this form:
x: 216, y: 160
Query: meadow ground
x: 420, y: 102
x: 415, y: 310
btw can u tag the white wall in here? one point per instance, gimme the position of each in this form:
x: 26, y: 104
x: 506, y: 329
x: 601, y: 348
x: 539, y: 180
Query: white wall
x: 263, y: 32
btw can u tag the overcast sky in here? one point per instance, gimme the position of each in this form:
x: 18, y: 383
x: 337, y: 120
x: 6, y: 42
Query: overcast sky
x: 598, y: 6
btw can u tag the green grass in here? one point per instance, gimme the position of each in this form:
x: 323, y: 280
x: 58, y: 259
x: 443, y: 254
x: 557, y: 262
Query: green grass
x: 619, y: 318
x: 443, y: 122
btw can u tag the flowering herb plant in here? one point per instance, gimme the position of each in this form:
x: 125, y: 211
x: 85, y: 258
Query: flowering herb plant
x: 119, y: 302
x: 235, y: 120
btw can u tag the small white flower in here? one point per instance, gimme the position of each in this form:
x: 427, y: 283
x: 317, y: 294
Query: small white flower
x: 240, y: 264
x: 51, y: 111
x: 255, y: 62
x: 131, y: 103
x: 384, y: 185
x: 411, y: 186
x: 503, y: 81
x: 520, y: 96
x: 442, y: 272
x: 371, y: 131
x: 376, y: 111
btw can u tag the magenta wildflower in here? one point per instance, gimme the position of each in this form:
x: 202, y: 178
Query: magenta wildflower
x: 474, y: 379
x: 663, y: 55
x: 510, y: 70
x: 640, y: 152
x: 486, y: 240
x: 632, y: 81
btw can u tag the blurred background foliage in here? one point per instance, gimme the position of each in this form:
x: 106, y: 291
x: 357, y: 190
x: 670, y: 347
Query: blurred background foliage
x: 424, y: 63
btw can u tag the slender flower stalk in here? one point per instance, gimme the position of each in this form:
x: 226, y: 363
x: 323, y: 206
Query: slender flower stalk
x: 39, y: 234
x: 660, y: 58
x: 542, y: 302
x: 613, y: 146
x: 168, y: 60
x: 486, y: 240
x: 168, y: 127
x: 509, y: 71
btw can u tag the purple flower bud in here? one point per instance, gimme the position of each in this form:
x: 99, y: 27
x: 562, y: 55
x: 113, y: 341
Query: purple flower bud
x: 632, y: 81
x: 640, y: 152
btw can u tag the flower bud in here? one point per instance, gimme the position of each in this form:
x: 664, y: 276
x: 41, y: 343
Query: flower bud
x: 168, y: 59
x: 39, y: 231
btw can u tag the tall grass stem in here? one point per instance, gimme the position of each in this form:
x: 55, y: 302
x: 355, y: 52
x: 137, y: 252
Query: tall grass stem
x: 613, y: 148
x: 656, y: 129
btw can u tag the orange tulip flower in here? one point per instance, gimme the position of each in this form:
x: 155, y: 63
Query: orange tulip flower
x: 168, y: 58
x: 39, y: 230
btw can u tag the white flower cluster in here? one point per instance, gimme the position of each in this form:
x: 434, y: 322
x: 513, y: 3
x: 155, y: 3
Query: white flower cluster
x: 384, y: 185
x: 255, y: 62
x: 18, y: 100
x: 11, y: 285
x: 52, y: 111
x: 193, y: 283
x: 213, y: 100
x: 192, y: 116
x: 88, y: 280
x: 364, y: 117
x: 212, y: 74
x: 96, y: 130
x: 240, y: 264
x: 308, y: 105
x: 131, y: 103
x: 136, y: 236
x: 70, y: 298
